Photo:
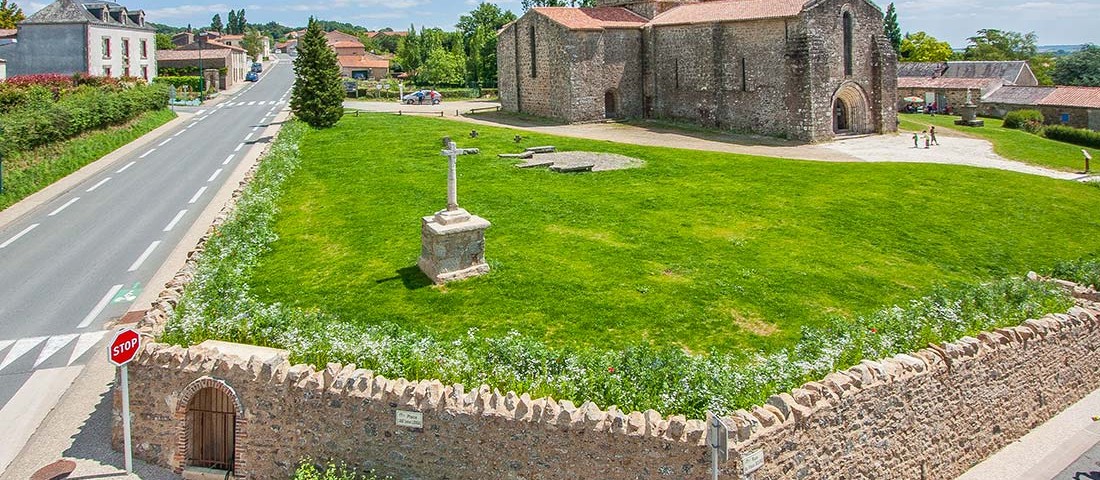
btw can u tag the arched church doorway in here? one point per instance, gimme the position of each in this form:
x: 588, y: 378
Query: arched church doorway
x: 851, y: 111
x: 610, y: 104
x: 840, y: 116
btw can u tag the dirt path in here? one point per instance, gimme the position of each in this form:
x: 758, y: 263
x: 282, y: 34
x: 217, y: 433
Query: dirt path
x: 954, y: 149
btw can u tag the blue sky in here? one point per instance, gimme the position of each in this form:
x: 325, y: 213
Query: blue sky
x: 1062, y: 22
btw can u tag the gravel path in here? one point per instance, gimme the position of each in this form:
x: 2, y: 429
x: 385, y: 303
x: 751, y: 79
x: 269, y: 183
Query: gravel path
x: 953, y: 149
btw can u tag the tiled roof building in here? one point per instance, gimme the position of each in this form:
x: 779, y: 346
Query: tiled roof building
x: 799, y: 69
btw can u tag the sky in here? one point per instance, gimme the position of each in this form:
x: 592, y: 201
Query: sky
x: 1061, y: 22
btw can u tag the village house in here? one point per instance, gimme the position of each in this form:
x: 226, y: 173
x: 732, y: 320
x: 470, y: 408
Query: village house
x: 94, y: 38
x: 946, y: 85
x: 238, y: 41
x: 1061, y: 105
x: 231, y: 63
x: 807, y: 71
x: 364, y: 67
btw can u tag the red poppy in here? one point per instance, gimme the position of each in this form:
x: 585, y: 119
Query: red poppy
x: 610, y: 369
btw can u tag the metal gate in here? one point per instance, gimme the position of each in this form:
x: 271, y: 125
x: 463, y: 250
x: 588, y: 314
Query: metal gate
x: 212, y: 421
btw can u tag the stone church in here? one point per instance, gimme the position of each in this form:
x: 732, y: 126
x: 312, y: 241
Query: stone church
x: 805, y: 70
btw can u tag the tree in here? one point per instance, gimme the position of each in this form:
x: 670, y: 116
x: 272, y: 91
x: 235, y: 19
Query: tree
x: 253, y: 43
x: 318, y: 96
x: 922, y: 47
x: 1079, y: 68
x: 443, y: 68
x: 231, y: 23
x: 479, y: 32
x: 242, y: 24
x: 164, y: 42
x: 993, y: 44
x: 891, y: 28
x: 10, y: 14
x: 216, y: 23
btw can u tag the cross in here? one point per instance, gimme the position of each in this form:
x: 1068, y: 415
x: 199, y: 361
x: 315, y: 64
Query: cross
x: 451, y: 152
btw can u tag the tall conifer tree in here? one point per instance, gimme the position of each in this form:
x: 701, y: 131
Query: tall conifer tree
x: 318, y: 96
x: 891, y: 28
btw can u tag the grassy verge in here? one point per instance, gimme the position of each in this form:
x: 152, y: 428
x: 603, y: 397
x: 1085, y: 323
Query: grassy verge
x: 1009, y: 143
x: 28, y: 172
x: 702, y: 281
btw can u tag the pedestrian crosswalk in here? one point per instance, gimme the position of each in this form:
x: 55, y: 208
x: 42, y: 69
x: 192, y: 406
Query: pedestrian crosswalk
x: 26, y: 354
x: 253, y: 103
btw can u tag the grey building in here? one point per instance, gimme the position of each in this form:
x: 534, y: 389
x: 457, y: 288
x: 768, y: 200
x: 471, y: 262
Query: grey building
x: 95, y: 38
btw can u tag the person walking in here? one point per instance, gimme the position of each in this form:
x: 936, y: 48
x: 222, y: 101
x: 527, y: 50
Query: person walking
x: 916, y: 138
x: 932, y: 133
x: 927, y: 141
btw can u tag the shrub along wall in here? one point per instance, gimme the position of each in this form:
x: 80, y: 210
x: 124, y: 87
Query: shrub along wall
x: 930, y: 414
x: 1076, y: 136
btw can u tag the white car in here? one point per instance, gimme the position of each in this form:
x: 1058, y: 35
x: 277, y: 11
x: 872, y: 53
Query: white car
x: 423, y: 96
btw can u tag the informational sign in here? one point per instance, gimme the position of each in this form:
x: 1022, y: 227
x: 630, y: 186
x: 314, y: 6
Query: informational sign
x: 410, y: 419
x: 124, y: 347
x: 752, y: 461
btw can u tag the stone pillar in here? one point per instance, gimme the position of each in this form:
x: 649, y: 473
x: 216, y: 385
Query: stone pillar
x: 452, y: 242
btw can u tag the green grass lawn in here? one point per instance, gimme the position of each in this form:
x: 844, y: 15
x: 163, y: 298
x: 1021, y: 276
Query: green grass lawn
x: 697, y: 249
x: 28, y: 172
x: 1009, y: 143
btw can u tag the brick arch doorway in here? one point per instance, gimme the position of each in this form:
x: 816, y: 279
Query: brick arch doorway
x: 210, y: 419
x: 611, y: 104
x: 851, y: 111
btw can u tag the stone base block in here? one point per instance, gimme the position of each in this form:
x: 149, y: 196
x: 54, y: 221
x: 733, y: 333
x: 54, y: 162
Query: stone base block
x: 452, y: 246
x: 970, y: 123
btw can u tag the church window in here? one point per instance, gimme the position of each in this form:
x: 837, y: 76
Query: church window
x: 744, y: 77
x: 534, y: 54
x: 847, y: 43
x: 676, y: 72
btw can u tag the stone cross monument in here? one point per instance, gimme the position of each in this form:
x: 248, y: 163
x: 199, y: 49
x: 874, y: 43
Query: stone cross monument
x: 452, y: 242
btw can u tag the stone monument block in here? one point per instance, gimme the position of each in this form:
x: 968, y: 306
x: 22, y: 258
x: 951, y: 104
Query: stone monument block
x: 452, y: 246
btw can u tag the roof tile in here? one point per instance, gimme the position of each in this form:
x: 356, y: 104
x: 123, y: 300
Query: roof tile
x: 1086, y: 97
x: 728, y: 11
x: 592, y: 18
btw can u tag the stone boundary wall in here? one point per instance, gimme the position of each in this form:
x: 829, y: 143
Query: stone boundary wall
x: 930, y: 414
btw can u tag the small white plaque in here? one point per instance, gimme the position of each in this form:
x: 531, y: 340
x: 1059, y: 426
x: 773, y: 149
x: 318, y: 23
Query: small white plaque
x: 752, y: 461
x: 416, y: 420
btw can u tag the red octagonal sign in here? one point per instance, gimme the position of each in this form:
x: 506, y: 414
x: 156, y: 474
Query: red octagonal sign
x: 124, y: 347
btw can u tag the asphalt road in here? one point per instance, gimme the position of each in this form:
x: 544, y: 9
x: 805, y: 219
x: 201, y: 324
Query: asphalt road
x: 79, y: 260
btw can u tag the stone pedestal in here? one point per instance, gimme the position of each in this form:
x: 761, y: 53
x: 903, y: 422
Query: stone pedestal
x: 969, y: 116
x: 452, y: 246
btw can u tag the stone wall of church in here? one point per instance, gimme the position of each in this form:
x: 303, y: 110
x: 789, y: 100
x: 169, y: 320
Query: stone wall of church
x: 729, y: 76
x: 606, y: 61
x: 544, y: 90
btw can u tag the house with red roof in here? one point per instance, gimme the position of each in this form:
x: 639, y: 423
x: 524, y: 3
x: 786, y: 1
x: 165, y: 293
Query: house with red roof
x: 206, y: 53
x: 800, y: 69
x: 947, y: 85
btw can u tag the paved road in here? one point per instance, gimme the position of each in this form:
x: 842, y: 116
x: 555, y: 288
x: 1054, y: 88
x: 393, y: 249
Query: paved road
x: 79, y: 260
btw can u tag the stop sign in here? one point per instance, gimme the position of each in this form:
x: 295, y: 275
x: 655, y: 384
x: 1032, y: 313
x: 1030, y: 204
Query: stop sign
x: 124, y: 347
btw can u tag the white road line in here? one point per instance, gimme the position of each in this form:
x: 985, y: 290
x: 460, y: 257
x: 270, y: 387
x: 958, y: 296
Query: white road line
x: 239, y: 147
x: 191, y: 125
x: 175, y: 220
x: 179, y: 133
x: 20, y: 234
x: 247, y: 137
x: 255, y: 128
x: 123, y: 169
x: 251, y: 103
x: 200, y: 112
x: 55, y: 343
x: 215, y: 175
x: 146, y: 154
x: 85, y: 343
x: 161, y: 144
x: 197, y: 195
x: 21, y: 347
x: 100, y: 306
x: 144, y: 256
x: 100, y: 184
x: 229, y: 159
x: 26, y: 410
x: 66, y: 205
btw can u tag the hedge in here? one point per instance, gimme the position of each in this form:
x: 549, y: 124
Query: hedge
x: 86, y: 108
x: 1076, y: 136
x: 194, y: 82
x: 1020, y: 119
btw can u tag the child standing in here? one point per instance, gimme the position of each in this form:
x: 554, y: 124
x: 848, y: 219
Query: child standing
x: 932, y: 132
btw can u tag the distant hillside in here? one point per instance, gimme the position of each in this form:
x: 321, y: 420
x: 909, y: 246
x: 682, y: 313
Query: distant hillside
x: 1060, y: 49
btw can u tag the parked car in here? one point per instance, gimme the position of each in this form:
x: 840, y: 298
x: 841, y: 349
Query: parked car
x: 257, y: 67
x: 251, y: 77
x: 423, y: 96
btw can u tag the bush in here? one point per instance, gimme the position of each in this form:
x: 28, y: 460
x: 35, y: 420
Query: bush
x: 1084, y: 271
x: 193, y: 82
x: 1024, y: 119
x: 333, y: 471
x: 85, y: 108
x: 1076, y: 136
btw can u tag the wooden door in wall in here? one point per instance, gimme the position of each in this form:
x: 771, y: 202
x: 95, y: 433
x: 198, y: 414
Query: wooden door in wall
x: 212, y: 422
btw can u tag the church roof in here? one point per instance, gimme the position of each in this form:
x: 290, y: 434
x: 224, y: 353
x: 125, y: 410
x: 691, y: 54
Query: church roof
x: 728, y: 11
x: 921, y: 69
x: 1010, y: 71
x: 599, y: 18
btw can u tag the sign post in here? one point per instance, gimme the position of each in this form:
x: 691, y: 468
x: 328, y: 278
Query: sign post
x: 717, y: 441
x: 1088, y: 158
x: 122, y: 350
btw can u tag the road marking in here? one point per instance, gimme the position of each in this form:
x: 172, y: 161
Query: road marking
x: 127, y: 295
x: 175, y: 220
x: 55, y: 343
x: 200, y: 112
x: 146, y: 154
x: 197, y: 195
x: 192, y: 124
x: 215, y: 175
x: 143, y: 257
x: 20, y: 234
x: 66, y: 205
x: 239, y: 147
x: 84, y: 343
x: 229, y: 159
x: 100, y: 184
x: 251, y: 103
x: 123, y: 169
x: 247, y: 137
x: 255, y: 128
x: 28, y: 408
x: 21, y: 347
x: 161, y: 144
x: 99, y: 306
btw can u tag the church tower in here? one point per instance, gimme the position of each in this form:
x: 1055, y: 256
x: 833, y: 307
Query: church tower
x: 645, y: 8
